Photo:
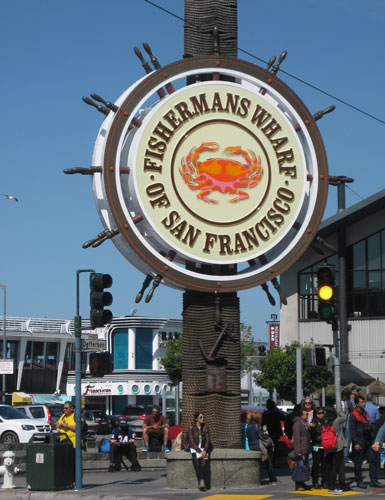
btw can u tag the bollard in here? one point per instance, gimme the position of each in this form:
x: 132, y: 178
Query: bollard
x: 8, y: 470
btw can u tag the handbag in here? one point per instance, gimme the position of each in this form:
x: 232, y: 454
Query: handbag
x: 265, y: 439
x: 300, y: 473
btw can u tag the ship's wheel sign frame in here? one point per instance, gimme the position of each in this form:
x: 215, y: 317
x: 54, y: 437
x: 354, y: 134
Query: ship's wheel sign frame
x: 226, y: 181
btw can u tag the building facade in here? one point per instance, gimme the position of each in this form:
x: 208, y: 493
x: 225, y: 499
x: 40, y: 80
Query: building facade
x: 43, y: 354
x: 361, y: 227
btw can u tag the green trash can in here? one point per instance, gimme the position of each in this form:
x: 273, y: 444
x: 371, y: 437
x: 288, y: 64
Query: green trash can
x: 50, y: 462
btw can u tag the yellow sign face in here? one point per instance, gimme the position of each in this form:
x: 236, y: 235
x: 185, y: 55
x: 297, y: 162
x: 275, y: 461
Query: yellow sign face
x: 219, y: 172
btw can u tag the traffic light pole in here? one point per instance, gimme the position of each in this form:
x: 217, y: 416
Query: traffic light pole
x: 336, y: 365
x: 78, y: 386
x: 4, y: 333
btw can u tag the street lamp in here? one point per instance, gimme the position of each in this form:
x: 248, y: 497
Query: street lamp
x: 4, y: 334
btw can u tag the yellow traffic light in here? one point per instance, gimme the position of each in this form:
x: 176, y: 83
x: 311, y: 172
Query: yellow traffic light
x: 325, y: 292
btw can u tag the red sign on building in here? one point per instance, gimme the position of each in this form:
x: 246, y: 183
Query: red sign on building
x: 273, y: 335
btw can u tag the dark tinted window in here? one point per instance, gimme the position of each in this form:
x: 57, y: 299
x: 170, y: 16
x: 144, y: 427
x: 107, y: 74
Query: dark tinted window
x: 135, y: 411
x: 99, y: 414
x: 37, y: 412
x: 56, y: 411
x: 9, y: 413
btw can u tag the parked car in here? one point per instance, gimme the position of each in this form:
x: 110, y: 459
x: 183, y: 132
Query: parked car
x: 135, y: 415
x: 97, y: 421
x: 48, y: 413
x: 114, y: 420
x: 15, y: 427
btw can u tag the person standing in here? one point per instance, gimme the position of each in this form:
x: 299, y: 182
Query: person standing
x: 309, y: 406
x: 155, y: 426
x: 301, y: 445
x: 362, y: 438
x: 319, y: 459
x: 66, y: 423
x: 379, y: 439
x: 123, y: 444
x: 245, y: 419
x: 200, y: 448
x: 254, y: 434
x: 271, y: 418
x: 350, y: 403
x: 372, y: 410
x: 335, y: 458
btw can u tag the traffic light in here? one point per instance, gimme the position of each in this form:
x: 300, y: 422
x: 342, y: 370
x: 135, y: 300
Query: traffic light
x: 320, y: 356
x: 99, y: 299
x: 100, y: 364
x: 262, y: 350
x: 326, y: 293
x: 316, y: 356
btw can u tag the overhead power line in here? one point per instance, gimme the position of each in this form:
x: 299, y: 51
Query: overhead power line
x: 314, y: 87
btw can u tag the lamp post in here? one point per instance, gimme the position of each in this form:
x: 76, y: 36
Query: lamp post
x: 4, y: 334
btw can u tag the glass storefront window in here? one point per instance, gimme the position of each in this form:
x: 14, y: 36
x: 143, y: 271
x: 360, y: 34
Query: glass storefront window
x: 359, y: 256
x: 120, y: 348
x: 51, y: 356
x: 374, y: 256
x: 359, y: 280
x: 38, y: 355
x: 11, y: 350
x: 69, y: 358
x: 374, y: 280
x: 28, y: 356
x: 365, y: 265
x: 143, y: 348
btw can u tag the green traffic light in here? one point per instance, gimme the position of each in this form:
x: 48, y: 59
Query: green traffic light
x: 325, y: 311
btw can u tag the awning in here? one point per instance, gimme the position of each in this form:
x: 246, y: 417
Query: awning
x: 21, y: 398
x: 350, y: 373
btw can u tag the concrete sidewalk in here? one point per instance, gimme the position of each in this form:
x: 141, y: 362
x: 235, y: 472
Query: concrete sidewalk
x: 148, y: 484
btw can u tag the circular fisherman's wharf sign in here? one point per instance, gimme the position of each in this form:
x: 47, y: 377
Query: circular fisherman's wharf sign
x: 217, y: 186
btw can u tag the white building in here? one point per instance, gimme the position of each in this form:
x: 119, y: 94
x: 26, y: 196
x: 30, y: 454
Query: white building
x: 363, y: 227
x: 43, y: 354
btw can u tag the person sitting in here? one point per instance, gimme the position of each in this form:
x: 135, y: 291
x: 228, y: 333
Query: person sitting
x: 122, y: 444
x: 155, y: 431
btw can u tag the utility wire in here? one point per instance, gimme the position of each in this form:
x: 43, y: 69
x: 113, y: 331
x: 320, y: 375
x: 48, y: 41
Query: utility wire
x: 352, y: 190
x: 369, y: 115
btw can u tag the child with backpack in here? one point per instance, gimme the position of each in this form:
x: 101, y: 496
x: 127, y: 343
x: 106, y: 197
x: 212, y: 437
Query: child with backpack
x: 333, y: 443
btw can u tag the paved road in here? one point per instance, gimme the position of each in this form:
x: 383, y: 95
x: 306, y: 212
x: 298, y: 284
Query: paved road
x: 148, y: 485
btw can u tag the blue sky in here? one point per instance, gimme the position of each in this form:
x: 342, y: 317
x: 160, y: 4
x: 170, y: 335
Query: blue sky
x: 55, y: 52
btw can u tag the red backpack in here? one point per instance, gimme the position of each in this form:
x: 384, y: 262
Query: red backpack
x: 329, y: 439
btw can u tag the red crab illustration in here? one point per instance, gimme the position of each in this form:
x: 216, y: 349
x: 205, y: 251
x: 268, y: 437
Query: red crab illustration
x: 221, y: 174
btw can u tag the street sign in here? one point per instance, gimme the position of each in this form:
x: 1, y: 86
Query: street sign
x: 6, y: 366
x: 92, y: 345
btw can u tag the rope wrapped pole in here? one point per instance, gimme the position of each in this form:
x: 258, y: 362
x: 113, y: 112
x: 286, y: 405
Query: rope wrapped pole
x: 212, y: 383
